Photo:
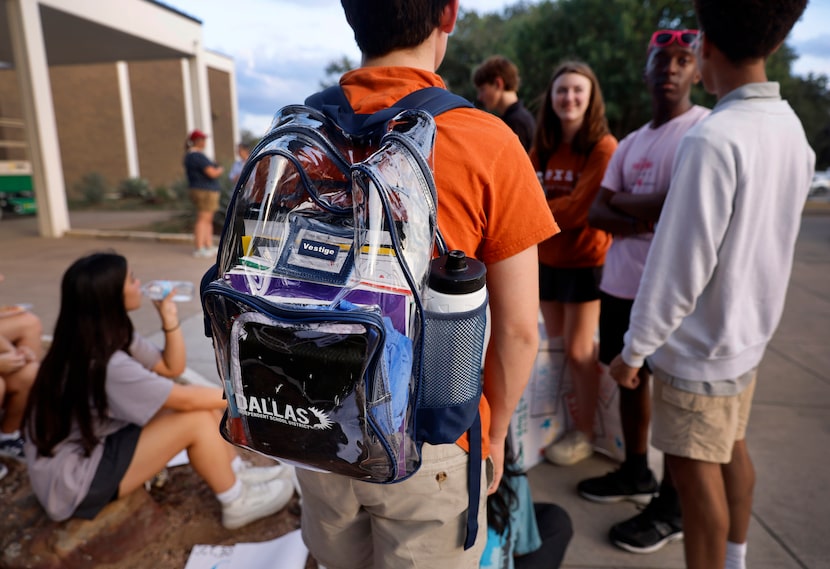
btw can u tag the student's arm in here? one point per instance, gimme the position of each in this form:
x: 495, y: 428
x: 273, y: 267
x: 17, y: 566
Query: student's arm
x: 603, y: 215
x: 209, y: 168
x: 174, y: 355
x: 645, y: 207
x: 194, y: 398
x: 684, y: 253
x: 213, y: 171
x: 513, y: 287
x: 571, y: 210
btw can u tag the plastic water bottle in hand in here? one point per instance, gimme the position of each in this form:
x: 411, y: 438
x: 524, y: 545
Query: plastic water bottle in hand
x: 158, y: 290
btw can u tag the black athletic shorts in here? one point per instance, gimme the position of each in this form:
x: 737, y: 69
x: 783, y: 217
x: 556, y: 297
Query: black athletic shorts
x: 569, y: 285
x: 119, y: 449
x: 614, y: 317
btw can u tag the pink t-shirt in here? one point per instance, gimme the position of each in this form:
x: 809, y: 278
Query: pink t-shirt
x: 642, y: 164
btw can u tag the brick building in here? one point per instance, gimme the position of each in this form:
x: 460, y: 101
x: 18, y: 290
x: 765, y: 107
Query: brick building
x: 111, y: 87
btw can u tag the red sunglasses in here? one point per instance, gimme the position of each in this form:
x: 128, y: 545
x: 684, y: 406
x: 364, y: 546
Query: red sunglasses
x: 663, y: 38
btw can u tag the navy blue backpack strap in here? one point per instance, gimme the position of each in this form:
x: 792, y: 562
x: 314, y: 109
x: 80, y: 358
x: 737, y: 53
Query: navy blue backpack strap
x: 433, y: 100
x: 210, y: 275
x: 333, y: 103
x: 473, y: 481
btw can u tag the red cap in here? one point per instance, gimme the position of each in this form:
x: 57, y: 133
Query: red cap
x: 196, y: 134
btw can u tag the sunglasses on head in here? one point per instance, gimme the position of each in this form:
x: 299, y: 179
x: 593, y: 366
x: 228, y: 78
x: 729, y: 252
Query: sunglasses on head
x: 663, y: 38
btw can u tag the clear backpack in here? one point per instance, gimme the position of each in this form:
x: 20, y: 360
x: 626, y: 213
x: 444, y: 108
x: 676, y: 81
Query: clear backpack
x: 328, y: 358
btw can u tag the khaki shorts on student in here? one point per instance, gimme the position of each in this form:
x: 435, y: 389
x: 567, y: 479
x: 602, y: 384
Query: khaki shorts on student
x: 204, y: 200
x: 696, y: 426
x: 420, y: 522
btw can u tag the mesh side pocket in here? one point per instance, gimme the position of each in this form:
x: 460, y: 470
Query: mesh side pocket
x: 451, y: 374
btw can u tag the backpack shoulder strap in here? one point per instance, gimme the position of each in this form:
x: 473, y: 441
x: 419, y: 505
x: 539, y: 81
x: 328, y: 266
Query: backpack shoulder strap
x: 433, y: 100
x: 333, y: 103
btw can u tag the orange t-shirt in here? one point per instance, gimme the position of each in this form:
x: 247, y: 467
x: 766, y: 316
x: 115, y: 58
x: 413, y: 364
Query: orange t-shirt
x: 489, y: 202
x: 571, y: 182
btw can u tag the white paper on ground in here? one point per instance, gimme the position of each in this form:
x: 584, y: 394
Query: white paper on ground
x: 209, y: 557
x: 288, y: 550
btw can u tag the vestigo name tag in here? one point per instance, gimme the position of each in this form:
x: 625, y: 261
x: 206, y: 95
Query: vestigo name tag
x: 317, y: 252
x: 317, y: 249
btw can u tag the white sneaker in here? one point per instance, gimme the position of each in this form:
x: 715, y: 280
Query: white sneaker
x: 257, y: 501
x: 3, y: 471
x: 570, y: 449
x: 255, y: 474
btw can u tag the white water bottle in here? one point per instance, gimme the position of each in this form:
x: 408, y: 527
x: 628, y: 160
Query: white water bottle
x: 456, y: 284
x: 158, y: 290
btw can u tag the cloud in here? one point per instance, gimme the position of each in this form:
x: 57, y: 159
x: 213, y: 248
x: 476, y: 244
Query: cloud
x: 268, y: 83
x: 813, y: 55
x: 818, y: 46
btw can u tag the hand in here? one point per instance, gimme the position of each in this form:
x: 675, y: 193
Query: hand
x: 11, y: 361
x: 625, y: 375
x: 168, y: 311
x: 28, y: 354
x: 497, y: 456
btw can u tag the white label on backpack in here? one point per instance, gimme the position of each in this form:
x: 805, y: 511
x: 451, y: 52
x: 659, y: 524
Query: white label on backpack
x: 271, y: 408
x: 316, y: 256
x: 317, y: 249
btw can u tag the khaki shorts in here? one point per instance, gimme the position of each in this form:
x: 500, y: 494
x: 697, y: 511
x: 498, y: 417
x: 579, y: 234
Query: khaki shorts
x: 205, y: 200
x: 700, y: 427
x: 420, y: 522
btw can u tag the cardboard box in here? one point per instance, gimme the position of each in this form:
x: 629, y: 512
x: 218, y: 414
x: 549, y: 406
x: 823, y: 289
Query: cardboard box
x: 546, y: 410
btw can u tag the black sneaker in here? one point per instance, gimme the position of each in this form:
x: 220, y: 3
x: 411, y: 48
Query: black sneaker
x: 617, y: 486
x: 649, y: 530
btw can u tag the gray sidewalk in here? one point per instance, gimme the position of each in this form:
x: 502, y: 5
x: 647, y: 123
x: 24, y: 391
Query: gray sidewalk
x: 789, y: 433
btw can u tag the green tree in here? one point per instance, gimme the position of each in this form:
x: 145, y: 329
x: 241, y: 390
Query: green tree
x: 248, y: 138
x: 335, y: 69
x: 611, y: 36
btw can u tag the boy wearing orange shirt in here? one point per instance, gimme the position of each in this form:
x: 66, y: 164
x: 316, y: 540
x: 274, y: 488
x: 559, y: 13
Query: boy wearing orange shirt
x: 490, y: 206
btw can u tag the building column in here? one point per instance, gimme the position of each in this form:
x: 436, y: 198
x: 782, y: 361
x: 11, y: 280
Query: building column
x: 187, y: 92
x: 234, y: 109
x: 28, y: 47
x: 200, y: 97
x: 130, y: 144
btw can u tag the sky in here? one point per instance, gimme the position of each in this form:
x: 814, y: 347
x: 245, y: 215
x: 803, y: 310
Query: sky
x: 282, y: 47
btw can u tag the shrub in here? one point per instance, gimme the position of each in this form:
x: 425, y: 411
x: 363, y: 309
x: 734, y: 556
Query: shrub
x: 162, y: 194
x: 93, y: 187
x: 180, y: 189
x: 135, y: 188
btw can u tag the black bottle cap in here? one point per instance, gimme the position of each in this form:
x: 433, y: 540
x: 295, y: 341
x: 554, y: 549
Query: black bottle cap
x: 455, y: 273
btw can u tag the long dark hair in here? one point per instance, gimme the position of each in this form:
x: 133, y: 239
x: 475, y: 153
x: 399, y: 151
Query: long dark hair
x: 92, y: 325
x: 548, y: 135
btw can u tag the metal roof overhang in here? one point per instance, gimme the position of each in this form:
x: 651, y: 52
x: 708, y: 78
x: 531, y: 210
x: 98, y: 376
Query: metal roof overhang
x: 95, y: 31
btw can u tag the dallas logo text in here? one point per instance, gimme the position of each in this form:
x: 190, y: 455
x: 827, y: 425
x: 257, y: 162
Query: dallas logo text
x: 271, y: 409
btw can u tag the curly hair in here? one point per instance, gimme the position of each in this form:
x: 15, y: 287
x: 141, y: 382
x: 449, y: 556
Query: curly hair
x: 497, y: 66
x: 747, y: 29
x: 548, y: 135
x: 382, y: 26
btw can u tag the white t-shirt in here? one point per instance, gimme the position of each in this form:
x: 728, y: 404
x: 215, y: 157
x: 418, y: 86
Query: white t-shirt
x: 642, y: 164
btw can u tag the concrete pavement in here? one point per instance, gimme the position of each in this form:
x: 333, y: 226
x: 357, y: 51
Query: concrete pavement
x: 789, y: 433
